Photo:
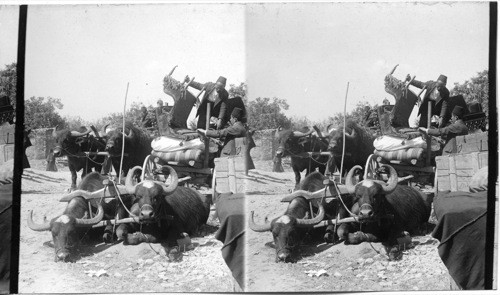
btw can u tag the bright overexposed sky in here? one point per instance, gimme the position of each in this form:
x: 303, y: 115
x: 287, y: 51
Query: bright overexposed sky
x: 305, y: 53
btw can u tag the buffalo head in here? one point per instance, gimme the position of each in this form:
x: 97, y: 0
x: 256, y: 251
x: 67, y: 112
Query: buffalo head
x: 290, y: 142
x: 115, y: 140
x: 337, y: 139
x: 288, y: 230
x: 150, y: 194
x: 65, y: 228
x: 67, y: 142
x: 370, y: 194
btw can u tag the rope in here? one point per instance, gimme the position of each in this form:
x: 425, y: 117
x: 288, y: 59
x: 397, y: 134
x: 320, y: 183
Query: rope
x: 123, y: 204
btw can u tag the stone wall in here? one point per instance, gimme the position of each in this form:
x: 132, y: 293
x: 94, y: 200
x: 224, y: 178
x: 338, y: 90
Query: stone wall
x: 265, y: 145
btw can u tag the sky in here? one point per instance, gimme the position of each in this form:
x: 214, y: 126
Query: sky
x: 308, y: 53
x: 305, y: 53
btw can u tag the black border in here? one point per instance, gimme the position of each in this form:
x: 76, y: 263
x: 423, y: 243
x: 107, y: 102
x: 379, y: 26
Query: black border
x: 18, y: 153
x: 492, y: 155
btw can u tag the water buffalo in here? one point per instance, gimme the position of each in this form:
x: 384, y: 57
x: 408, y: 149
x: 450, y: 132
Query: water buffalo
x: 73, y: 224
x: 175, y: 209
x: 137, y: 147
x: 73, y: 144
x: 358, y: 146
x: 407, y: 209
x: 296, y: 144
x: 289, y: 229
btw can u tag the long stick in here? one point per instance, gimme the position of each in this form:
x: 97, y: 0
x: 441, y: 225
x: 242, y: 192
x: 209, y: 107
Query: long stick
x: 123, y: 136
x: 343, y: 139
x: 207, y: 141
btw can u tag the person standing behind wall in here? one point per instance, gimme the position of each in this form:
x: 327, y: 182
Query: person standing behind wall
x: 216, y: 94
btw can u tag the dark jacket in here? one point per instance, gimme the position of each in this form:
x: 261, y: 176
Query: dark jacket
x: 449, y: 133
x: 234, y: 139
x: 218, y: 107
x: 439, y: 96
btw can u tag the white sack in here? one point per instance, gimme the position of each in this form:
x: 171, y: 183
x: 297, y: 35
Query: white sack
x: 167, y: 144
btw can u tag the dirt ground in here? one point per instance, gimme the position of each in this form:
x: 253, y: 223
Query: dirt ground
x: 327, y: 267
x: 108, y: 268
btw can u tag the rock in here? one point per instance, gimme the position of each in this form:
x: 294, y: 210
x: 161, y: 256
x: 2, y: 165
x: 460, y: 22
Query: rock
x: 149, y: 261
x: 369, y: 261
x: 337, y: 274
x: 117, y: 275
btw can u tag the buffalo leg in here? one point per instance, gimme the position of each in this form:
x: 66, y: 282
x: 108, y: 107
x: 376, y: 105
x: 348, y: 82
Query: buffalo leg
x: 360, y: 237
x: 297, y: 177
x: 73, y: 177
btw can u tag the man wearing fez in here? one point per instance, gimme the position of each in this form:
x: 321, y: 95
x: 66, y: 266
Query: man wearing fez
x: 450, y: 132
x: 438, y: 94
x: 216, y: 94
x: 236, y: 130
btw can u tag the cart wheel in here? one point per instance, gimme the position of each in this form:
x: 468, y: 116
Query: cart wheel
x: 148, y: 168
x: 371, y: 168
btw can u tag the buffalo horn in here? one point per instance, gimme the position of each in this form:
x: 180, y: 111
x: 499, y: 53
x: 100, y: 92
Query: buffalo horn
x: 330, y: 128
x: 302, y: 134
x: 352, y: 135
x: 78, y: 193
x: 128, y: 181
x: 175, y: 181
x: 91, y: 221
x: 36, y: 226
x: 78, y: 134
x: 312, y: 221
x: 348, y: 179
x: 305, y: 194
x: 393, y: 179
x: 258, y: 227
x: 103, y: 129
x: 130, y: 134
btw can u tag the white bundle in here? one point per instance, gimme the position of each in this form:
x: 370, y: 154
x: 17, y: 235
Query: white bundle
x: 168, y: 144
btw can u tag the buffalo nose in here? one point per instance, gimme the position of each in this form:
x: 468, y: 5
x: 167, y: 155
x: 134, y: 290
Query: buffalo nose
x: 62, y: 256
x: 146, y: 214
x: 284, y: 256
x: 366, y: 212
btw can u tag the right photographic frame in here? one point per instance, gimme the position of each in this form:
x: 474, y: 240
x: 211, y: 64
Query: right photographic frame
x: 372, y: 130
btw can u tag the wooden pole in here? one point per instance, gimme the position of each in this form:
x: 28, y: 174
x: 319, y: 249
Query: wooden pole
x: 207, y: 141
x: 123, y: 136
x: 428, y: 137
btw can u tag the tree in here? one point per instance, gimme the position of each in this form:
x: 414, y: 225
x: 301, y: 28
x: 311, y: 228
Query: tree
x: 240, y: 90
x: 264, y: 113
x: 133, y: 114
x: 42, y: 113
x: 474, y: 90
x: 8, y: 82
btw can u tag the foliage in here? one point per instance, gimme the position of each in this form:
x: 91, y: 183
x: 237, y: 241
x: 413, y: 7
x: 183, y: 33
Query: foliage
x: 240, y: 90
x: 474, y: 90
x: 133, y: 114
x: 42, y: 113
x: 8, y: 81
x: 266, y: 113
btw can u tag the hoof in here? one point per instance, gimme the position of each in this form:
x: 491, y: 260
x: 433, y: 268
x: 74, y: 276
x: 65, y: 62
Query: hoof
x: 107, y: 238
x: 329, y: 238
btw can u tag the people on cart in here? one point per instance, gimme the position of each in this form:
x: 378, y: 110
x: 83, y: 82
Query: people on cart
x: 216, y: 94
x: 438, y: 94
x: 450, y: 132
x: 237, y: 139
x: 146, y: 120
x: 236, y: 130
